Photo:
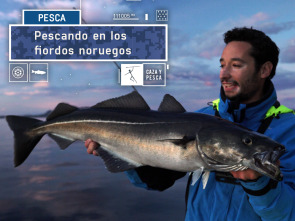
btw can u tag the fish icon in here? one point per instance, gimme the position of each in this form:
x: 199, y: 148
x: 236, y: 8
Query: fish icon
x: 38, y: 72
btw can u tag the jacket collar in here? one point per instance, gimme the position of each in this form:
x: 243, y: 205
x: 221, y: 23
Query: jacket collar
x: 247, y: 113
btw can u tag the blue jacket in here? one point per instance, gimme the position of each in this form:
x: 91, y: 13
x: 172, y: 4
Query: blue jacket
x: 224, y: 201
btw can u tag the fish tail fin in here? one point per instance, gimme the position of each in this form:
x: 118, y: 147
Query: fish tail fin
x: 24, y: 142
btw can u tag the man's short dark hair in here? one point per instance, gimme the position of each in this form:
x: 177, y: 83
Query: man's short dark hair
x: 263, y: 48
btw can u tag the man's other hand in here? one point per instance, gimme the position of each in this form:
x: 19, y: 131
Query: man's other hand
x: 92, y: 147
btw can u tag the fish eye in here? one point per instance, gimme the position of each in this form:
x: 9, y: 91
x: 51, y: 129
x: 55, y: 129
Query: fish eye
x: 247, y: 141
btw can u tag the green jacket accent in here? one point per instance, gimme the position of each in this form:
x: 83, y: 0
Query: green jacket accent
x: 272, y: 112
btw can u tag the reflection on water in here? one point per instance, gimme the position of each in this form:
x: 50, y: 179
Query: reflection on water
x: 71, y: 185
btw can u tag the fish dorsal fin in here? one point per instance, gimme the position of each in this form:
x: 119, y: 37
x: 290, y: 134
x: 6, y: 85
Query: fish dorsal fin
x: 170, y: 104
x: 60, y: 110
x: 132, y: 101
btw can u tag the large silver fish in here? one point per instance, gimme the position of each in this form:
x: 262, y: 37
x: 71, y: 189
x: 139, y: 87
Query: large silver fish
x: 131, y: 135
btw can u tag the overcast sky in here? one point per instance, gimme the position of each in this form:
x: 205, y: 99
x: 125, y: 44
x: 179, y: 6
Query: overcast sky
x: 196, y: 30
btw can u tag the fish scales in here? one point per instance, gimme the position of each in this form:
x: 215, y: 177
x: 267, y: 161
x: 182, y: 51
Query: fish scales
x: 139, y: 142
x: 131, y: 135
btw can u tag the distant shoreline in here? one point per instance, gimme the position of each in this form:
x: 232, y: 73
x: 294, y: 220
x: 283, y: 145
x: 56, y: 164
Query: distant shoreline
x: 32, y: 115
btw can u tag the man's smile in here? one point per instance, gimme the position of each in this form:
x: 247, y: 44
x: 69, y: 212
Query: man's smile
x: 229, y: 85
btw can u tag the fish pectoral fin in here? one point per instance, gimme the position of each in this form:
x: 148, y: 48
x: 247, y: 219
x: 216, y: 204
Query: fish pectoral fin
x: 180, y: 142
x: 60, y: 110
x: 133, y: 101
x: 196, y: 175
x: 63, y: 142
x: 200, y: 173
x: 114, y: 163
x: 205, y: 178
x: 171, y: 105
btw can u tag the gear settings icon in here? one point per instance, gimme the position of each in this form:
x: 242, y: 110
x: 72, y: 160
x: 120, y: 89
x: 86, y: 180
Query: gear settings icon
x: 18, y: 72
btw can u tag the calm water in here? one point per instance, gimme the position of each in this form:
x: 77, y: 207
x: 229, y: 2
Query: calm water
x: 71, y: 185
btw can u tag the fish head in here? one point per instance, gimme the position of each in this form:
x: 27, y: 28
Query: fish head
x: 232, y: 148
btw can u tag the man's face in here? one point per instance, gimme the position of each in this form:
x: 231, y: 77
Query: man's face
x: 238, y: 76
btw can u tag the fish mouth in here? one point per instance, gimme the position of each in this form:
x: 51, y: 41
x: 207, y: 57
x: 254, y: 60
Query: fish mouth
x: 267, y: 162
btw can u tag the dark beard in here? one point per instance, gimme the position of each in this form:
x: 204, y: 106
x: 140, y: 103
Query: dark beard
x: 242, y: 97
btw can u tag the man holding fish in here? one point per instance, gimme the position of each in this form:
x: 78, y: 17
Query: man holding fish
x: 247, y: 97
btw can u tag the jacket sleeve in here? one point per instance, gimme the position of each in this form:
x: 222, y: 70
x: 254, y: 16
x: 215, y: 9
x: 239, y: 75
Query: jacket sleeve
x: 279, y: 202
x: 153, y: 178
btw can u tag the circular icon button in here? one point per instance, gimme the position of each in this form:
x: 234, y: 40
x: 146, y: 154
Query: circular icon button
x: 18, y: 72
